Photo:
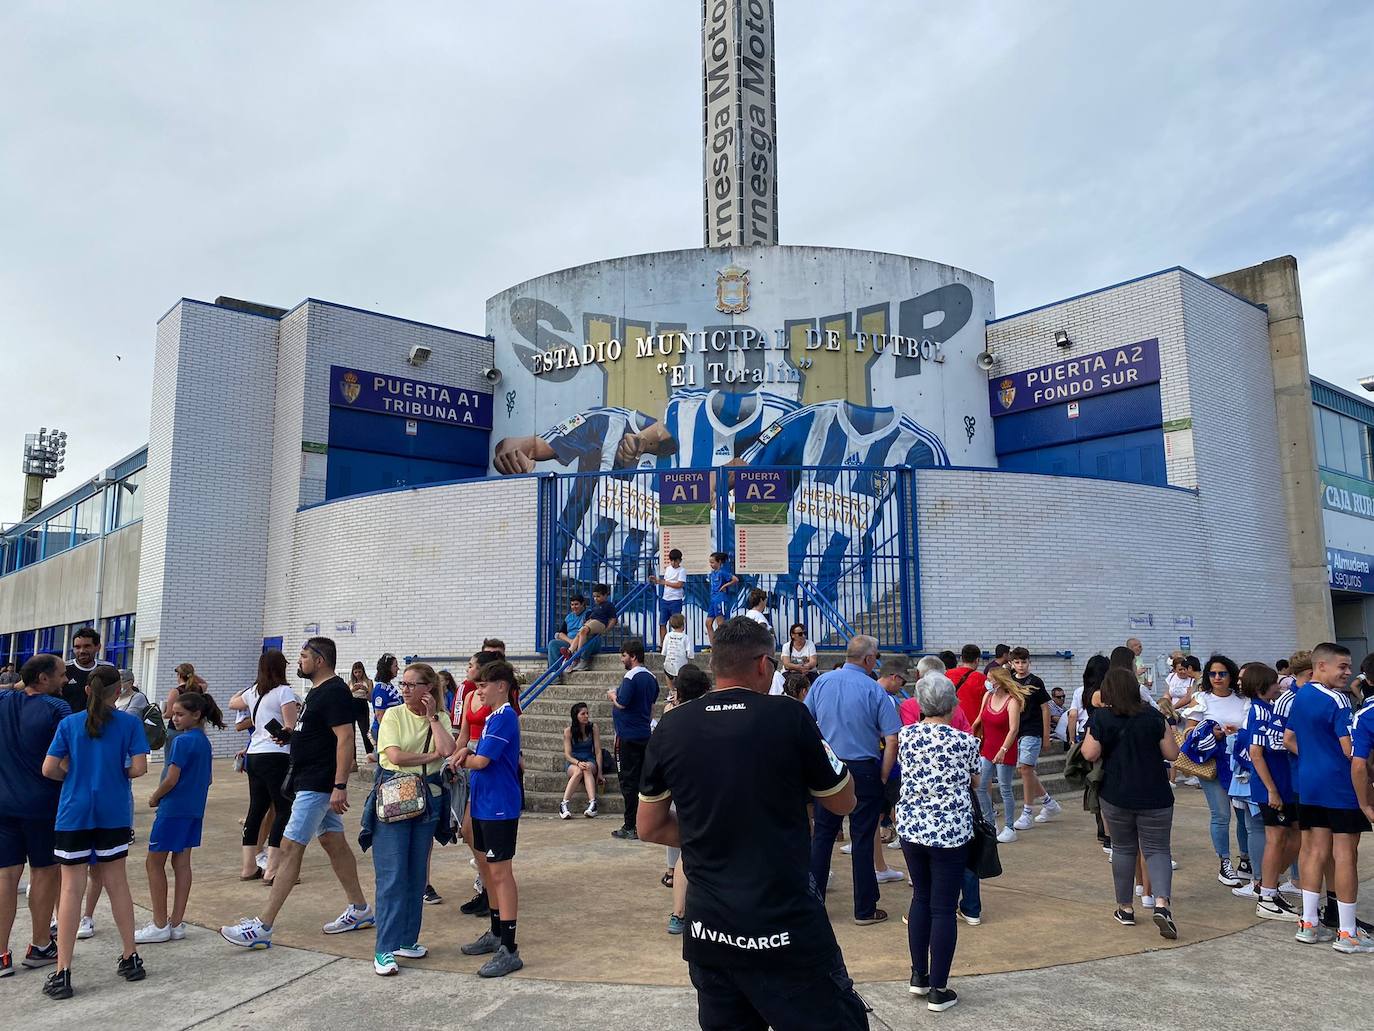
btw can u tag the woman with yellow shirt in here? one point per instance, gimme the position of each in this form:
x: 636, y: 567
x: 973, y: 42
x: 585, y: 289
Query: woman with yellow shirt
x: 414, y: 737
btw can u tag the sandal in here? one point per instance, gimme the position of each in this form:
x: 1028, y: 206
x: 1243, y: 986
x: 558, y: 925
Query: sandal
x: 667, y: 879
x: 251, y: 877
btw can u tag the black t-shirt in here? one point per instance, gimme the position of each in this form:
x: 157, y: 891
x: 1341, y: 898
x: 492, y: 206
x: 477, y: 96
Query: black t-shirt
x: 1134, y: 774
x: 740, y: 768
x: 1032, y: 719
x: 313, y: 742
x: 74, y: 690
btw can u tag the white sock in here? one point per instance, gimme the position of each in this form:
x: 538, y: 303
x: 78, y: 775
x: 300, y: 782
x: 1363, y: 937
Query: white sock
x: 1311, y: 907
x: 1047, y: 799
x: 1347, y: 917
x: 1025, y: 808
x: 1268, y: 893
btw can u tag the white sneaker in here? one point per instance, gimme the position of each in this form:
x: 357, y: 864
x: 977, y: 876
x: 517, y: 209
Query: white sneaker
x: 1247, y: 891
x: 1024, y: 821
x: 261, y: 860
x: 416, y: 951
x: 1192, y: 782
x: 248, y: 933
x: 384, y: 963
x: 972, y: 921
x: 564, y: 810
x: 590, y: 811
x: 1173, y: 864
x: 889, y: 875
x: 86, y: 929
x: 1148, y: 901
x: 178, y: 932
x: 351, y: 919
x: 1048, y: 811
x: 847, y: 848
x: 1005, y: 835
x: 1139, y: 891
x: 151, y: 934
x: 1289, y: 888
x: 895, y: 843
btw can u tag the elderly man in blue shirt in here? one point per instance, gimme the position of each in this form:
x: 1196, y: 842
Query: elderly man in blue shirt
x: 854, y: 714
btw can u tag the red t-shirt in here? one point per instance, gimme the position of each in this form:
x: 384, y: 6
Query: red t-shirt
x: 971, y: 684
x: 910, y: 711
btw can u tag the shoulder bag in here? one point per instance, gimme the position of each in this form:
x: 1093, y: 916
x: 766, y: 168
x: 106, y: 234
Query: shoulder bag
x: 982, y: 859
x: 1186, y: 766
x: 403, y: 796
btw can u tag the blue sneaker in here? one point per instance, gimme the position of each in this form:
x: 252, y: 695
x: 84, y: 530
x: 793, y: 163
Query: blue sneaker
x: 352, y: 919
x: 249, y: 934
x: 675, y: 924
x: 384, y: 963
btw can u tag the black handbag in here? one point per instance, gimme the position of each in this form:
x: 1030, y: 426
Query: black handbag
x: 607, y: 763
x: 982, y: 859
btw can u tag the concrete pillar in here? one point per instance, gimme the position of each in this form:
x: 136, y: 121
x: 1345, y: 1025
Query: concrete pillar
x: 1274, y: 284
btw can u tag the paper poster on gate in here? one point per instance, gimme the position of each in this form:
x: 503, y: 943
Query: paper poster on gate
x: 762, y: 528
x: 684, y: 518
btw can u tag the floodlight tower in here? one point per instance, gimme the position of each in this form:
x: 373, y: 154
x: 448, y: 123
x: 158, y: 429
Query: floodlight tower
x: 45, y: 454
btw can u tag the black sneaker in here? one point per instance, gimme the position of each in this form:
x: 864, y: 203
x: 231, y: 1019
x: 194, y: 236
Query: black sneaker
x: 941, y: 999
x: 35, y: 957
x: 478, y: 905
x: 432, y: 897
x: 1330, y: 915
x: 920, y: 984
x: 625, y: 834
x: 1123, y: 918
x: 1243, y: 867
x: 58, y: 985
x: 1164, y: 920
x: 131, y: 969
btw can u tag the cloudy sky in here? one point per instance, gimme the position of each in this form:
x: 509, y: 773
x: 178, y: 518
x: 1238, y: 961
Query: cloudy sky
x: 418, y: 158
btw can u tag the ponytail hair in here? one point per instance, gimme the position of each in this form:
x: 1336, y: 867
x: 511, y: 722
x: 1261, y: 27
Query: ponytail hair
x: 201, y: 705
x: 102, y: 688
x: 186, y: 671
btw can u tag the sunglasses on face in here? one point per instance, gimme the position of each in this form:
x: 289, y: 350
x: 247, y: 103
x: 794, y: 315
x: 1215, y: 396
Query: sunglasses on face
x: 1218, y: 673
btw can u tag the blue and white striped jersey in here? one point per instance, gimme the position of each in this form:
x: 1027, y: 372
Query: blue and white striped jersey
x: 714, y: 427
x: 590, y: 439
x: 841, y: 433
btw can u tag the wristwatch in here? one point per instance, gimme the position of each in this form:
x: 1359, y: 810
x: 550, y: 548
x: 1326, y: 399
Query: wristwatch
x: 341, y: 787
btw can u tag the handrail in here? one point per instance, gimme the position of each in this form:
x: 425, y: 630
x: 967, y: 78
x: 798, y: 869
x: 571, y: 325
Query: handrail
x: 829, y: 611
x: 551, y: 674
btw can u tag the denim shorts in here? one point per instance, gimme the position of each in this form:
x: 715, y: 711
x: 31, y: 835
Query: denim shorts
x: 667, y: 609
x: 311, y: 817
x: 1028, y: 751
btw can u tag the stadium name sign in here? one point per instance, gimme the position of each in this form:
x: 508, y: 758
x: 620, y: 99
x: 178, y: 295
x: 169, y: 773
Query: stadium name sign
x: 741, y: 338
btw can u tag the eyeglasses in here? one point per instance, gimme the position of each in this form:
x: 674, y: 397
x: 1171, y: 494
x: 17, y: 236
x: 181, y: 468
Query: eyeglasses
x: 771, y: 658
x: 405, y: 684
x: 1218, y: 673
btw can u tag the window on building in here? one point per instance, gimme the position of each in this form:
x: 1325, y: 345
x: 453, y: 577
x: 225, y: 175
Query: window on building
x: 1344, y: 444
x: 119, y: 641
x: 50, y: 640
x: 23, y: 647
x: 6, y: 642
x: 129, y: 499
x: 88, y: 518
x: 57, y: 534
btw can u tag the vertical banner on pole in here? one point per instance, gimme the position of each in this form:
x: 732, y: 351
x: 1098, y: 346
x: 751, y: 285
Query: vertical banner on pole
x: 762, y: 534
x: 684, y: 518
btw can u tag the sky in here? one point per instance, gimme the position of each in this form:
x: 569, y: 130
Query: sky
x: 415, y: 159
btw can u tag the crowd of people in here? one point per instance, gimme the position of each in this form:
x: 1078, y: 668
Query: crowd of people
x: 917, y: 757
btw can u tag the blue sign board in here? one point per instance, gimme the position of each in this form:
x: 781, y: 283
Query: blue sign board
x: 1350, y: 571
x: 690, y: 487
x: 1073, y: 379
x: 760, y: 486
x: 1185, y: 642
x: 408, y: 398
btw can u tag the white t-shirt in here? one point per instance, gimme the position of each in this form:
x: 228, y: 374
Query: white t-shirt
x: 677, y: 651
x: 1178, y: 687
x: 267, y: 709
x: 806, y: 651
x: 1230, y: 711
x: 677, y: 576
x: 777, y: 683
x: 758, y: 617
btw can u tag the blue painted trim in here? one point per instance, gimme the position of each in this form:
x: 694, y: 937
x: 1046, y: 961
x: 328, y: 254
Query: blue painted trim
x: 1129, y: 282
x: 909, y: 508
x: 1341, y: 401
x: 392, y: 318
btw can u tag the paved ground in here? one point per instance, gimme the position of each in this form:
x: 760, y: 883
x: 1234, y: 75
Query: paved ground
x: 591, y: 932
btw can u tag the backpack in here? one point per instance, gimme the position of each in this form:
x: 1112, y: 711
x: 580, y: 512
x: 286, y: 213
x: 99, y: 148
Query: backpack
x: 154, y: 727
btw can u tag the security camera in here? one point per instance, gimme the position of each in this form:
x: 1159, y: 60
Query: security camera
x: 985, y: 360
x: 419, y: 354
x: 493, y: 376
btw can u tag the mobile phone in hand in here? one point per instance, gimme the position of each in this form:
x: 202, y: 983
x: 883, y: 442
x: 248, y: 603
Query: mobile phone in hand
x: 274, y: 728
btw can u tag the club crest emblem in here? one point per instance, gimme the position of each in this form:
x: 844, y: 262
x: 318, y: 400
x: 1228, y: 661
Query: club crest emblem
x: 732, y: 290
x: 349, y: 387
x: 1007, y: 392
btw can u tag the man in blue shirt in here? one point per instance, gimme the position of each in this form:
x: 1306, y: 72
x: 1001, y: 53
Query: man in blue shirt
x: 599, y: 617
x: 560, y: 644
x: 1329, y: 810
x: 854, y: 714
x: 634, y: 709
x: 28, y: 805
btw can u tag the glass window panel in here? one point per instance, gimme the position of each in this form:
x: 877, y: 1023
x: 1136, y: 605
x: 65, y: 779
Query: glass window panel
x: 88, y: 518
x: 58, y: 534
x: 1331, y: 434
x: 1353, y: 446
x: 129, y: 499
x: 1317, y: 436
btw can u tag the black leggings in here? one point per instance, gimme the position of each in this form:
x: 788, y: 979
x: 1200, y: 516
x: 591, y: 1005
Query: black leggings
x: 362, y: 713
x: 266, y: 772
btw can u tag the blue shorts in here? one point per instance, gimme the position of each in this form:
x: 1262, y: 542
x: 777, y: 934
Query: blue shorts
x: 311, y: 817
x: 667, y: 609
x: 1028, y: 750
x: 720, y: 606
x: 27, y: 841
x: 174, y: 833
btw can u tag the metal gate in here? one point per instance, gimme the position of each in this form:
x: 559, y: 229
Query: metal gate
x: 852, y: 563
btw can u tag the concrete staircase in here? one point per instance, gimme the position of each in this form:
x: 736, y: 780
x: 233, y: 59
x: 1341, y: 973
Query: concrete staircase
x: 541, y: 737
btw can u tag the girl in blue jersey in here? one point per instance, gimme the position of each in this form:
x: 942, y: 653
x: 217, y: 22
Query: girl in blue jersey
x: 95, y: 754
x: 1273, y: 799
x: 180, y: 804
x: 719, y: 581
